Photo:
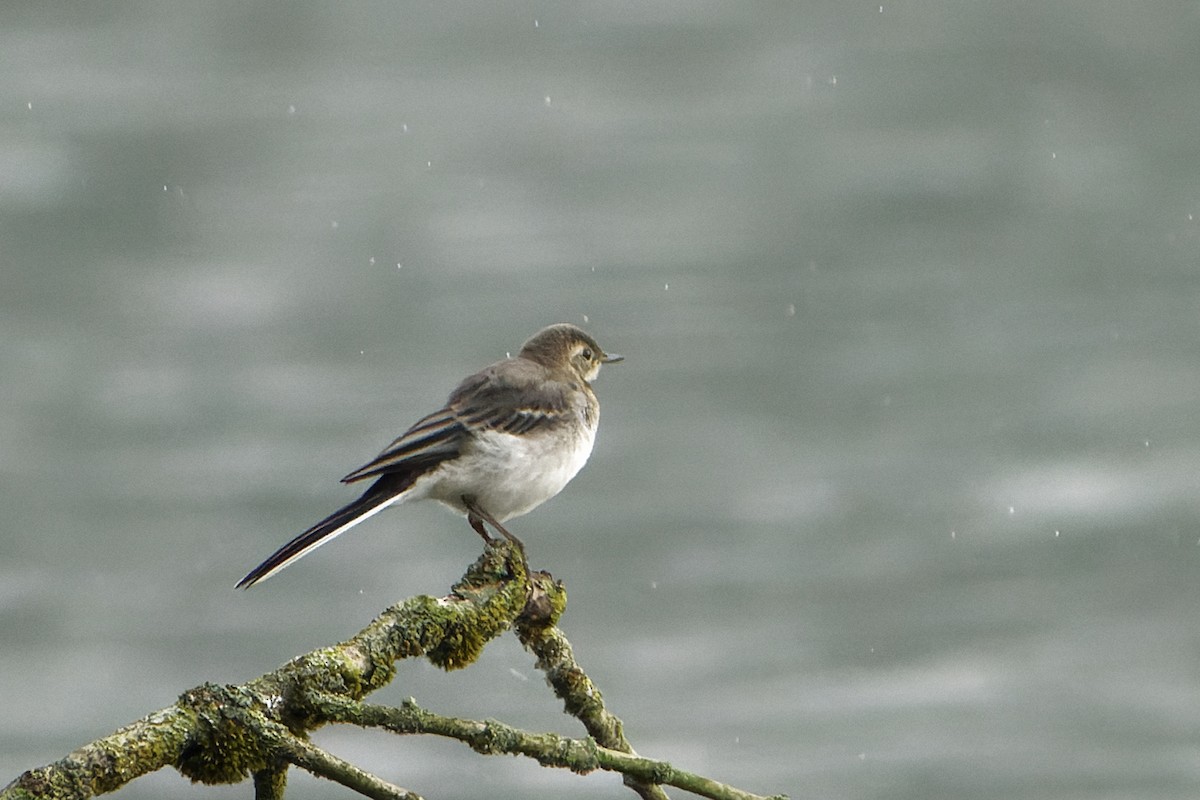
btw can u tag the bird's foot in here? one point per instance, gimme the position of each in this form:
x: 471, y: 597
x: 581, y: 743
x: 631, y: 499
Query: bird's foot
x: 476, y: 516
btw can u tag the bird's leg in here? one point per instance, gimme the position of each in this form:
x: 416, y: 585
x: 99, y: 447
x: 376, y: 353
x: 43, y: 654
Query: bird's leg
x: 477, y: 524
x: 477, y: 516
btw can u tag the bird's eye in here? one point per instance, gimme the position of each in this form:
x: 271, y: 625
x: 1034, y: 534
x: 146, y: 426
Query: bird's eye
x: 586, y: 353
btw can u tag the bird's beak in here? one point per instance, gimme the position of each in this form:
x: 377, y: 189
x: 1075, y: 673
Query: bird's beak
x: 611, y: 358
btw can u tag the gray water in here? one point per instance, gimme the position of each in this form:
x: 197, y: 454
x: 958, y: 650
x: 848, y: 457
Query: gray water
x: 895, y: 495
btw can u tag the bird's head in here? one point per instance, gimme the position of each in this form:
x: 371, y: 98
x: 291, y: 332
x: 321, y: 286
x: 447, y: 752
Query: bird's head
x: 564, y: 344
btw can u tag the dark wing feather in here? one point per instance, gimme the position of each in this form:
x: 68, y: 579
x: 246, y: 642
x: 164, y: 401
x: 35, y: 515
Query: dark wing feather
x: 432, y: 440
x: 516, y: 401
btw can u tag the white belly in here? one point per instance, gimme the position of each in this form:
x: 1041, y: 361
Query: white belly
x: 508, y: 475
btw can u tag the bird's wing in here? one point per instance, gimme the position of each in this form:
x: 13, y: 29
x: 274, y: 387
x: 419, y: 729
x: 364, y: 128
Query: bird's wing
x: 510, y: 401
x: 515, y: 404
x: 434, y: 439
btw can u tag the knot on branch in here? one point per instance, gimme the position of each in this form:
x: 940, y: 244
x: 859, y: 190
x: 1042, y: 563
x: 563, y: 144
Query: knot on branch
x: 545, y: 602
x: 494, y: 736
x: 223, y: 746
x: 581, y: 757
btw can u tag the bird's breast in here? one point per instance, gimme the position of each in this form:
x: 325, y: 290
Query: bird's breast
x: 511, y: 474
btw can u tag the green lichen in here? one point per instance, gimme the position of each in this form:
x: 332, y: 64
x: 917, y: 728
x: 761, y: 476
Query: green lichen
x: 456, y: 639
x: 479, y: 608
x: 47, y: 783
x: 223, y: 748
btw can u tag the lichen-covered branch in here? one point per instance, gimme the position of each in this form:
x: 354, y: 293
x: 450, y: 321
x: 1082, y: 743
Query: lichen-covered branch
x: 224, y: 734
x: 149, y: 744
x: 312, y: 758
x: 581, y: 698
x: 548, y: 749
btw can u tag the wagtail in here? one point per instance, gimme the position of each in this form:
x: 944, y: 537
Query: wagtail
x: 508, y: 439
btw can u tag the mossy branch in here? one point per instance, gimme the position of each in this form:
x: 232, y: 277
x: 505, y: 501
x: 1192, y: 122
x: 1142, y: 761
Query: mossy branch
x: 225, y: 734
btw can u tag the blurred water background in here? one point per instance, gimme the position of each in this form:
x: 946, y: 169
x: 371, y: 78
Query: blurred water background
x: 894, y: 497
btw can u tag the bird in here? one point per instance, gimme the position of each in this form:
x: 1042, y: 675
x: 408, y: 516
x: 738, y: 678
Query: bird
x: 508, y: 438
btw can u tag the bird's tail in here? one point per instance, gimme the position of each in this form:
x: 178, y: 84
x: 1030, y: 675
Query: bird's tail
x: 389, y: 489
